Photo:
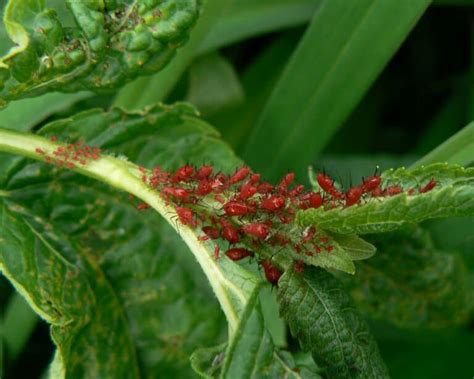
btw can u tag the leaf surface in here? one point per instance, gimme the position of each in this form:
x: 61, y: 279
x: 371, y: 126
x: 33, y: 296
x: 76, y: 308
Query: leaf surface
x: 321, y: 315
x: 106, y: 47
x: 453, y: 196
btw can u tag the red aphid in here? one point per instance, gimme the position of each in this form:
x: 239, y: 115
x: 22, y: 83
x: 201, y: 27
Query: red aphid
x: 203, y: 238
x: 219, y: 182
x: 371, y: 183
x: 329, y: 248
x: 286, y: 182
x: 324, y: 239
x: 204, y: 172
x: 393, y: 190
x: 429, y: 186
x: 325, y: 182
x: 353, y: 195
x: 217, y: 251
x: 204, y: 188
x: 257, y: 230
x: 219, y: 198
x: 40, y: 151
x: 238, y: 253
x: 299, y: 267
x: 247, y: 190
x: 183, y: 173
x: 296, y: 191
x: 235, y: 208
x: 54, y: 138
x: 273, y: 203
x: 377, y: 192
x: 314, y: 199
x: 264, y: 188
x: 255, y: 178
x: 143, y: 206
x: 230, y: 233
x: 239, y: 175
x: 186, y: 216
x: 178, y: 193
x: 211, y: 232
x: 308, y: 234
x: 271, y: 272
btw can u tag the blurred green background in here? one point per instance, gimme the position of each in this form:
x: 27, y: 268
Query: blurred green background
x: 343, y: 85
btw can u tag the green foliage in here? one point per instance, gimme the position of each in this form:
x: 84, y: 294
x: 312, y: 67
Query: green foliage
x: 118, y: 287
x: 299, y: 105
x: 452, y: 196
x: 109, y: 44
x: 431, y: 291
x: 321, y: 315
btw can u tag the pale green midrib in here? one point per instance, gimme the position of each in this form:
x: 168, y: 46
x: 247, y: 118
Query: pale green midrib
x: 124, y: 175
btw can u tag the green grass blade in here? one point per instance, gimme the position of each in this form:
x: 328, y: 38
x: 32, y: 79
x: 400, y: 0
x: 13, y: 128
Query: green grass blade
x: 247, y: 18
x: 341, y: 54
x: 458, y: 149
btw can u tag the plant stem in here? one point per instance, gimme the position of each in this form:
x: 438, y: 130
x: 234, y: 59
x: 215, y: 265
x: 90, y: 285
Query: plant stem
x: 124, y: 175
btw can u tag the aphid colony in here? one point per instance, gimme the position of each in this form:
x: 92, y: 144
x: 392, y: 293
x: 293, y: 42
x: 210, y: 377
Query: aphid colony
x: 71, y: 155
x: 251, y: 215
x: 241, y: 210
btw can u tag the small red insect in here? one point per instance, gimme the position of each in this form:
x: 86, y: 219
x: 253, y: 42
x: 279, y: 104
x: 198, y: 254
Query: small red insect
x: 183, y: 173
x: 393, y: 190
x: 203, y: 238
x: 204, y: 172
x: 311, y: 200
x: 211, y: 232
x: 40, y: 151
x: 273, y: 203
x: 247, y: 190
x: 299, y: 267
x: 308, y: 234
x: 429, y: 186
x: 239, y: 175
x: 143, y: 206
x: 371, y: 183
x: 235, y: 208
x: 186, y: 216
x: 238, y: 253
x: 255, y: 178
x: 178, y: 193
x: 230, y: 233
x: 204, y: 188
x: 258, y: 230
x: 264, y: 188
x: 271, y: 272
x: 286, y: 182
x: 217, y: 251
x: 325, y: 182
x: 353, y: 195
x: 54, y: 138
x: 296, y: 191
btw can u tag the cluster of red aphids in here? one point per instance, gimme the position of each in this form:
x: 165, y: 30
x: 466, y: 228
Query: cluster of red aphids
x: 371, y: 187
x: 253, y: 216
x: 70, y: 155
x: 241, y: 210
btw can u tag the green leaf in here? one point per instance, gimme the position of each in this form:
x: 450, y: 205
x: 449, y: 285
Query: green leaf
x: 356, y: 247
x: 251, y: 354
x: 73, y: 296
x: 107, y: 46
x: 26, y: 113
x: 458, y: 149
x: 430, y: 291
x: 214, y: 85
x: 146, y: 91
x: 144, y: 261
x: 247, y: 18
x: 321, y: 315
x: 312, y: 100
x: 452, y: 196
